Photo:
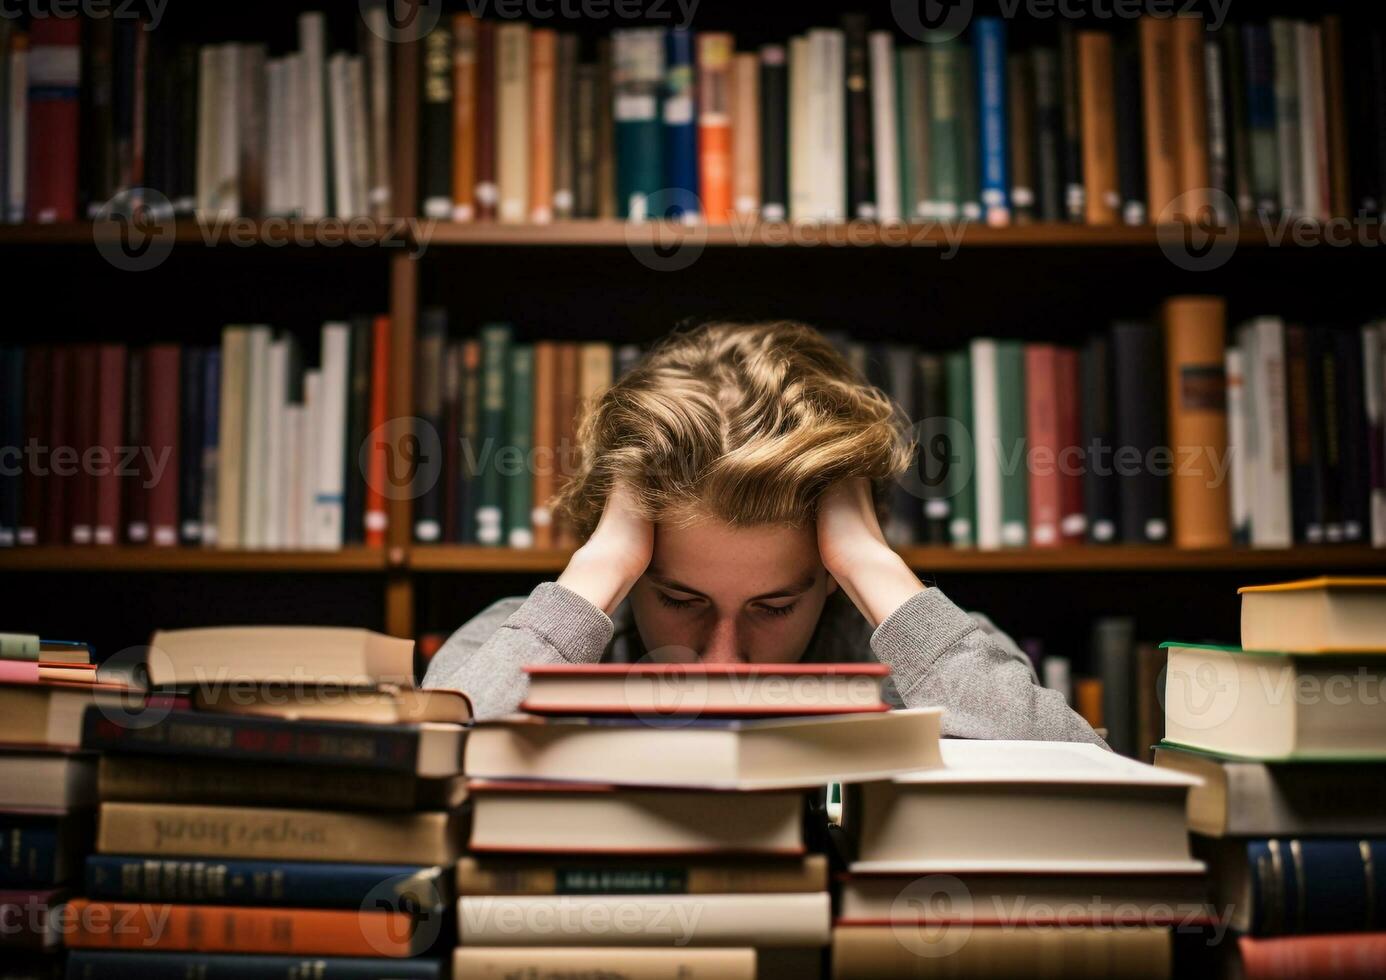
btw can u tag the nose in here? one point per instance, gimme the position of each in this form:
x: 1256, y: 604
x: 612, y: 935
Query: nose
x: 723, y: 646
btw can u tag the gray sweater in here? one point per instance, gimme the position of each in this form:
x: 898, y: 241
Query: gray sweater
x: 938, y: 655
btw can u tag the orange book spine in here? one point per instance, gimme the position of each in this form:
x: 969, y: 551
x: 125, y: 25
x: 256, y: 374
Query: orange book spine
x: 1195, y: 339
x: 221, y: 929
x: 545, y: 429
x: 566, y: 407
x: 464, y: 96
x: 1087, y: 700
x: 714, y: 126
x: 745, y: 103
x: 543, y: 52
x: 1157, y: 109
x: 1042, y: 435
x: 1191, y: 112
x: 1098, y: 110
x: 377, y: 514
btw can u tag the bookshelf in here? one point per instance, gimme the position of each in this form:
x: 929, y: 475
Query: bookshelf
x: 446, y: 260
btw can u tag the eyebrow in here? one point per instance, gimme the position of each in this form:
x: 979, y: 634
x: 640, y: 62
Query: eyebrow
x: 791, y: 590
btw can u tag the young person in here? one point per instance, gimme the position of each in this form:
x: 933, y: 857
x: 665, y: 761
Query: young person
x: 729, y: 497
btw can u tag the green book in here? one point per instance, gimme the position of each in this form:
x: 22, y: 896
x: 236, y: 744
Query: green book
x: 945, y: 181
x: 1015, y: 483
x: 911, y: 75
x: 490, y: 485
x: 515, y: 469
x: 970, y: 137
x: 637, y: 75
x: 962, y: 526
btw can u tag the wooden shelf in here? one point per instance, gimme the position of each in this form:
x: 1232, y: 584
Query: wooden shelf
x: 137, y: 559
x: 462, y: 558
x: 267, y: 232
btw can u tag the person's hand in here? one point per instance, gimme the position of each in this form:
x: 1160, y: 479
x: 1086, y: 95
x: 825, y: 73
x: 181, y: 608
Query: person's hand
x: 855, y: 553
x: 603, y: 570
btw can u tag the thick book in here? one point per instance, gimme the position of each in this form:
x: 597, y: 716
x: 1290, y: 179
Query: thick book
x: 279, y: 654
x: 263, y: 834
x: 637, y: 963
x: 92, y: 964
x: 385, y: 705
x: 1281, y: 886
x: 39, y: 711
x: 228, y: 929
x: 506, y: 874
x: 568, y: 818
x: 198, y: 779
x: 1103, y: 813
x: 1351, y: 957
x: 1245, y: 798
x: 944, y: 87
x: 1195, y: 330
x: 428, y: 394
x: 734, y: 754
x: 1138, y: 394
x: 46, y: 779
x: 427, y: 749
x: 1268, y: 454
x: 775, y: 921
x: 1133, y: 951
x: 984, y: 355
x: 138, y: 878
x: 1308, y: 492
x: 697, y: 689
x: 1319, y: 615
x: 912, y: 106
x: 1233, y: 701
x: 1130, y: 136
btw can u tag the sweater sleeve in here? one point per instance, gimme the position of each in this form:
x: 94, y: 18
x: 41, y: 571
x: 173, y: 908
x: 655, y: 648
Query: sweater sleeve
x: 486, y: 658
x: 939, y: 655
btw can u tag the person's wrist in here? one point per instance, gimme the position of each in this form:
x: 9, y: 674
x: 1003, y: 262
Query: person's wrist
x: 877, y: 580
x: 599, y: 576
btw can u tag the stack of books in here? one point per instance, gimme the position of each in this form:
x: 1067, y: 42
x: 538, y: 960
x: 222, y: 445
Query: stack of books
x: 1019, y: 859
x: 1288, y: 735
x: 292, y: 813
x: 47, y: 788
x: 1163, y: 118
x: 656, y: 820
x: 245, y: 445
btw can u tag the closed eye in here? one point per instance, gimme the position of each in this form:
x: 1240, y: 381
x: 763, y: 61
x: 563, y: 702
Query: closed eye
x: 673, y: 603
x: 779, y: 610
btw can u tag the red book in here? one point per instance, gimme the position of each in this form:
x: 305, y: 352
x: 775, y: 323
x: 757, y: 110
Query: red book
x: 1073, y: 519
x: 377, y: 517
x: 37, y: 405
x: 55, y: 75
x: 721, y: 690
x: 85, y: 406
x: 161, y: 418
x: 108, y: 460
x: 58, y: 483
x: 1042, y: 436
x: 1344, y: 956
x: 27, y: 918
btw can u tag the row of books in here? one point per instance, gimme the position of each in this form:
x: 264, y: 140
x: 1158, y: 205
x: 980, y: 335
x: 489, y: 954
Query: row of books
x: 1154, y: 123
x: 99, y: 107
x: 1289, y: 811
x: 240, y: 446
x: 1158, y: 432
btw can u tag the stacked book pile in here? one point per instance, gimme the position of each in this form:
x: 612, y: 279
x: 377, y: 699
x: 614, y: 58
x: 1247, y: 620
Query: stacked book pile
x: 1288, y: 734
x: 1019, y: 859
x: 47, y: 788
x: 658, y: 820
x: 293, y: 813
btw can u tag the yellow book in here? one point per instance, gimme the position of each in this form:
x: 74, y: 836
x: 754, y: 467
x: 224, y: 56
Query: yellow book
x: 1330, y: 614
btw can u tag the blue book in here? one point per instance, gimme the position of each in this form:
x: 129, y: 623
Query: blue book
x: 990, y: 47
x: 40, y: 850
x: 1307, y: 886
x: 83, y: 964
x: 303, y: 884
x: 680, y: 129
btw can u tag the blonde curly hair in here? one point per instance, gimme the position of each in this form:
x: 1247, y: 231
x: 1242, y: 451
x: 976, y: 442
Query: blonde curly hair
x: 748, y: 423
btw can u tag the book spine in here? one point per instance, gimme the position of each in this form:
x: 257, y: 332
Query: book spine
x: 377, y: 516
x: 436, y: 122
x: 162, y: 432
x: 1015, y: 484
x: 1353, y: 437
x: 1374, y: 398
x: 935, y: 455
x: 1097, y: 80
x: 1139, y: 399
x: 495, y: 370
x: 1191, y: 113
x: 1220, y: 177
x: 543, y: 75
x: 487, y: 193
x: 482, y: 877
x: 1306, y: 460
x: 1306, y: 886
x: 1272, y: 525
x: 464, y: 128
x: 1306, y: 957
x: 885, y: 150
x: 1287, y: 114
x: 1261, y: 117
x: 215, y: 929
x: 1239, y: 449
x: 585, y: 142
x: 1313, y: 132
x: 190, y: 431
x: 607, y: 203
x: 519, y: 415
x: 746, y: 136
x: 992, y: 126
x: 1073, y: 523
x: 1042, y: 437
x: 1195, y: 343
x: 513, y: 150
x: 1021, y: 109
x: 861, y: 173
x: 638, y: 72
x: 469, y: 441
x: 428, y: 388
x: 110, y: 430
x: 86, y: 410
x: 545, y: 442
x: 211, y: 445
x: 1157, y: 100
x: 986, y: 433
x: 679, y: 114
x: 37, y: 410
x: 774, y: 133
x: 1130, y: 146
x: 359, y: 349
x: 715, y: 170
x: 1075, y: 188
x: 128, y: 878
x: 1114, y: 652
x: 60, y: 431
x: 1333, y: 58
x: 328, y: 522
x: 53, y: 135
x: 960, y: 454
x: 969, y: 155
x: 253, y: 738
x: 1049, y: 178
x: 565, y: 127
x: 11, y: 437
x: 1238, y: 109
x: 1325, y: 385
x: 31, y: 856
x: 945, y: 135
x: 86, y: 964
